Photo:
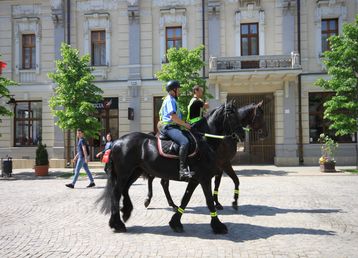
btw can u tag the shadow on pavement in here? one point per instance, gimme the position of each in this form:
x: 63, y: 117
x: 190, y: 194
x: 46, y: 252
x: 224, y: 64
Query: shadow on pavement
x: 237, y: 232
x: 257, y: 210
x: 260, y: 172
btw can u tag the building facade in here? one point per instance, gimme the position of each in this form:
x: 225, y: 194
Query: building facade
x: 255, y: 50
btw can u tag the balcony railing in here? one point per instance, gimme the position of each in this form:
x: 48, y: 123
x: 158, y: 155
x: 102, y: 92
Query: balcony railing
x: 239, y: 63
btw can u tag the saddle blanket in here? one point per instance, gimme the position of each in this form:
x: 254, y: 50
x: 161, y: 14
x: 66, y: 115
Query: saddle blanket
x: 169, y: 149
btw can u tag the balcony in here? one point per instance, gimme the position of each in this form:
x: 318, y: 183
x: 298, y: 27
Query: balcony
x: 254, y: 63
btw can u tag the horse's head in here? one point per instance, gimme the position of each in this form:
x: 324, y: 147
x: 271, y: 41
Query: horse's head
x: 253, y: 116
x: 232, y: 122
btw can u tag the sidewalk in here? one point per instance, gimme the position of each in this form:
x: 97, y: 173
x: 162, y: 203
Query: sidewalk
x: 244, y: 170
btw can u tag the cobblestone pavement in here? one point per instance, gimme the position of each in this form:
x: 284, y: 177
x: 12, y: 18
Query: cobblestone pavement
x: 284, y: 212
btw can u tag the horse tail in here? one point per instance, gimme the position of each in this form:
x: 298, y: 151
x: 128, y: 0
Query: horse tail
x: 106, y: 196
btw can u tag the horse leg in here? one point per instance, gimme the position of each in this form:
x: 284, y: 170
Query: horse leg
x: 165, y: 185
x: 217, y: 181
x: 175, y: 223
x: 115, y: 219
x: 127, y: 203
x: 231, y: 173
x: 150, y: 191
x: 217, y: 226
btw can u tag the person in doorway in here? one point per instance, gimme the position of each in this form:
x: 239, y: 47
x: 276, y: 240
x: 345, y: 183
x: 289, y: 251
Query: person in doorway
x: 172, y: 122
x: 196, y: 108
x: 81, y: 160
x: 108, y: 146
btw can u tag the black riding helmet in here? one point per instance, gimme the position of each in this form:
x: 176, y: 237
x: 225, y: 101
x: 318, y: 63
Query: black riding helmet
x: 171, y: 85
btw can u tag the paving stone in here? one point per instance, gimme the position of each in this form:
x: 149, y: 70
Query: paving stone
x: 284, y: 212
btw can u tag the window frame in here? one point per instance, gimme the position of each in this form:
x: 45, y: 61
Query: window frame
x: 98, y: 43
x: 324, y: 96
x: 31, y: 47
x: 328, y: 32
x: 249, y: 36
x: 30, y: 120
x: 175, y: 38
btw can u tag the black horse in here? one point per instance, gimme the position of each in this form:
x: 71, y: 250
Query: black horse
x: 250, y: 116
x: 137, y: 153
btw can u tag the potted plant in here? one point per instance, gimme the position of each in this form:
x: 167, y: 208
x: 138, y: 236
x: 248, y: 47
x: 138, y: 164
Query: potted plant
x: 328, y: 149
x: 41, y: 161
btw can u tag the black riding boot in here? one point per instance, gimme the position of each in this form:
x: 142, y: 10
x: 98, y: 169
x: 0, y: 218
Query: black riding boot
x: 183, y: 168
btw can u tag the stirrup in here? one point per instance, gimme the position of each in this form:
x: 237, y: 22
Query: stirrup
x: 186, y: 173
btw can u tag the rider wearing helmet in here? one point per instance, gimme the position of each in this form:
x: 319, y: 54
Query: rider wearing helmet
x: 171, y: 118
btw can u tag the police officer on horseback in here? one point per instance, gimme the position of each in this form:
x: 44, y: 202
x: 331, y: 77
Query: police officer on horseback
x: 172, y: 122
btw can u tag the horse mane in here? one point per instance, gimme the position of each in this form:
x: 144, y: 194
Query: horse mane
x: 245, y: 111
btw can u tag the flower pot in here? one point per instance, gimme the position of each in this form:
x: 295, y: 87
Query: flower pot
x: 41, y: 170
x: 328, y: 166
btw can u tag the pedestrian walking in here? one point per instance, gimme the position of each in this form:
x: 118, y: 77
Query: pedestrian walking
x: 81, y: 160
x: 107, y: 149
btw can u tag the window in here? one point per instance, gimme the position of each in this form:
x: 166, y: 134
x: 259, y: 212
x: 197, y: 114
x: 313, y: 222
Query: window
x: 317, y: 123
x: 28, y: 123
x: 173, y: 37
x: 98, y: 48
x: 329, y: 28
x: 249, y: 39
x: 249, y: 44
x: 28, y: 51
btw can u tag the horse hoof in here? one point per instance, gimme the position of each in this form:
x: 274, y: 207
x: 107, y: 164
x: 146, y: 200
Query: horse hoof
x: 235, y: 206
x: 218, y: 206
x: 120, y: 230
x: 176, y: 228
x: 118, y: 226
x: 222, y: 229
x: 146, y: 203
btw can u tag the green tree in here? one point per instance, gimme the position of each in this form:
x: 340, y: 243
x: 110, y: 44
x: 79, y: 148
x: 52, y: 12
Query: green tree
x: 342, y: 67
x: 5, y: 93
x: 184, y: 66
x: 75, y: 93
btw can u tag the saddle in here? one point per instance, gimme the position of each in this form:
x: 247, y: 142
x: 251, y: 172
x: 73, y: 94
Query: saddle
x: 169, y: 149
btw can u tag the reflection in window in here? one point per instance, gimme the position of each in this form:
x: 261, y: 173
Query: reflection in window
x: 329, y: 28
x: 173, y: 37
x: 28, y: 51
x: 28, y: 123
x: 317, y: 123
x: 98, y: 48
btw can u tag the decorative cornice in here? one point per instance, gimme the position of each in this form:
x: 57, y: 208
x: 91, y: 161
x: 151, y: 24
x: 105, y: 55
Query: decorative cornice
x: 97, y: 5
x: 173, y: 3
x: 213, y: 7
x: 26, y: 10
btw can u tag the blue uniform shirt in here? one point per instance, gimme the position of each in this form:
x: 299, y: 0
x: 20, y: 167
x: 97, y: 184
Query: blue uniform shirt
x: 169, y: 107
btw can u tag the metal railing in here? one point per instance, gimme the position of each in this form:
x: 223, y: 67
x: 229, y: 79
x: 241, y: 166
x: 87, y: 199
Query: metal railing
x: 218, y: 64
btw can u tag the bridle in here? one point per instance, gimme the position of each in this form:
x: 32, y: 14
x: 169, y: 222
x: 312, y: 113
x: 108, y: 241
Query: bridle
x: 233, y: 135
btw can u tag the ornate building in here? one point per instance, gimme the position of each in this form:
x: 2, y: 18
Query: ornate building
x: 255, y: 50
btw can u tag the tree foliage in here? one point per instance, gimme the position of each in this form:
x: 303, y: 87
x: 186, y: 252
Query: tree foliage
x: 184, y: 66
x: 75, y: 93
x: 342, y: 67
x: 5, y: 93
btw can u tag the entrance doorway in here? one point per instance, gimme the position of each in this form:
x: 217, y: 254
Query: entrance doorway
x: 255, y: 150
x: 108, y: 116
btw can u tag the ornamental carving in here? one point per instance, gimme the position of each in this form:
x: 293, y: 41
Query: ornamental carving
x: 95, y: 5
x: 26, y: 10
x: 165, y: 3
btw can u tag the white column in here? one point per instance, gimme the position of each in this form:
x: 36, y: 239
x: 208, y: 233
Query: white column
x: 262, y: 33
x: 238, y: 34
